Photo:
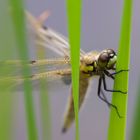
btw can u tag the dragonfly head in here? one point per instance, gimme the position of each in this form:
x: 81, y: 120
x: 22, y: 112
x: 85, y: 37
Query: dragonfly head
x: 107, y: 59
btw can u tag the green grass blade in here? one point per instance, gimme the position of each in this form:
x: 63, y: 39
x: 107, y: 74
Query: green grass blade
x: 7, y: 45
x: 117, y: 126
x: 135, y: 130
x: 44, y: 102
x: 20, y: 32
x: 74, y: 25
x: 45, y: 112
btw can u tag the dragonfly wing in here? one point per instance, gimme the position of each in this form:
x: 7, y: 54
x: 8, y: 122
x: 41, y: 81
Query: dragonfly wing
x: 49, y: 38
x: 69, y: 115
x: 55, y: 74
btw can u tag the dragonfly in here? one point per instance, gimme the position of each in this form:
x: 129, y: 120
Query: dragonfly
x: 91, y: 64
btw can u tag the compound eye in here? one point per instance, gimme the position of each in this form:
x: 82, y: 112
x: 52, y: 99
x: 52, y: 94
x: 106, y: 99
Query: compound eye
x: 103, y: 59
x: 111, y: 53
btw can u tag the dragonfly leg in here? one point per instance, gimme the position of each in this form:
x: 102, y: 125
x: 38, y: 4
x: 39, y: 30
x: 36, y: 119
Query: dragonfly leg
x: 101, y: 92
x: 110, y: 90
x: 117, y: 72
x: 105, y: 99
x: 111, y: 75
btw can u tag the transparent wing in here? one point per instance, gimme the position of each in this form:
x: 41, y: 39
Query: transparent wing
x: 48, y: 38
x: 54, y: 61
x: 54, y: 74
x: 51, y: 69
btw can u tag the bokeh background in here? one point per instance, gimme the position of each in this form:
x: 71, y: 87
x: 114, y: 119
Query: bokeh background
x: 100, y: 30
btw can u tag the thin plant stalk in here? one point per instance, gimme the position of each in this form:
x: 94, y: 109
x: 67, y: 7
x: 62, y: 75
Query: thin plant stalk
x: 17, y: 11
x: 117, y: 126
x: 44, y: 102
x: 135, y: 133
x: 6, y: 96
x: 74, y: 26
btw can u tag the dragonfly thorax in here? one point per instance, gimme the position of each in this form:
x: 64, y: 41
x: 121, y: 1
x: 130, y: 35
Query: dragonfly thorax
x: 88, y: 64
x: 94, y: 64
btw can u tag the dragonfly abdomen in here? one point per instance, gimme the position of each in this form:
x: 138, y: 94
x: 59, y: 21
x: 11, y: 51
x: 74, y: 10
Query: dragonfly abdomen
x: 70, y: 115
